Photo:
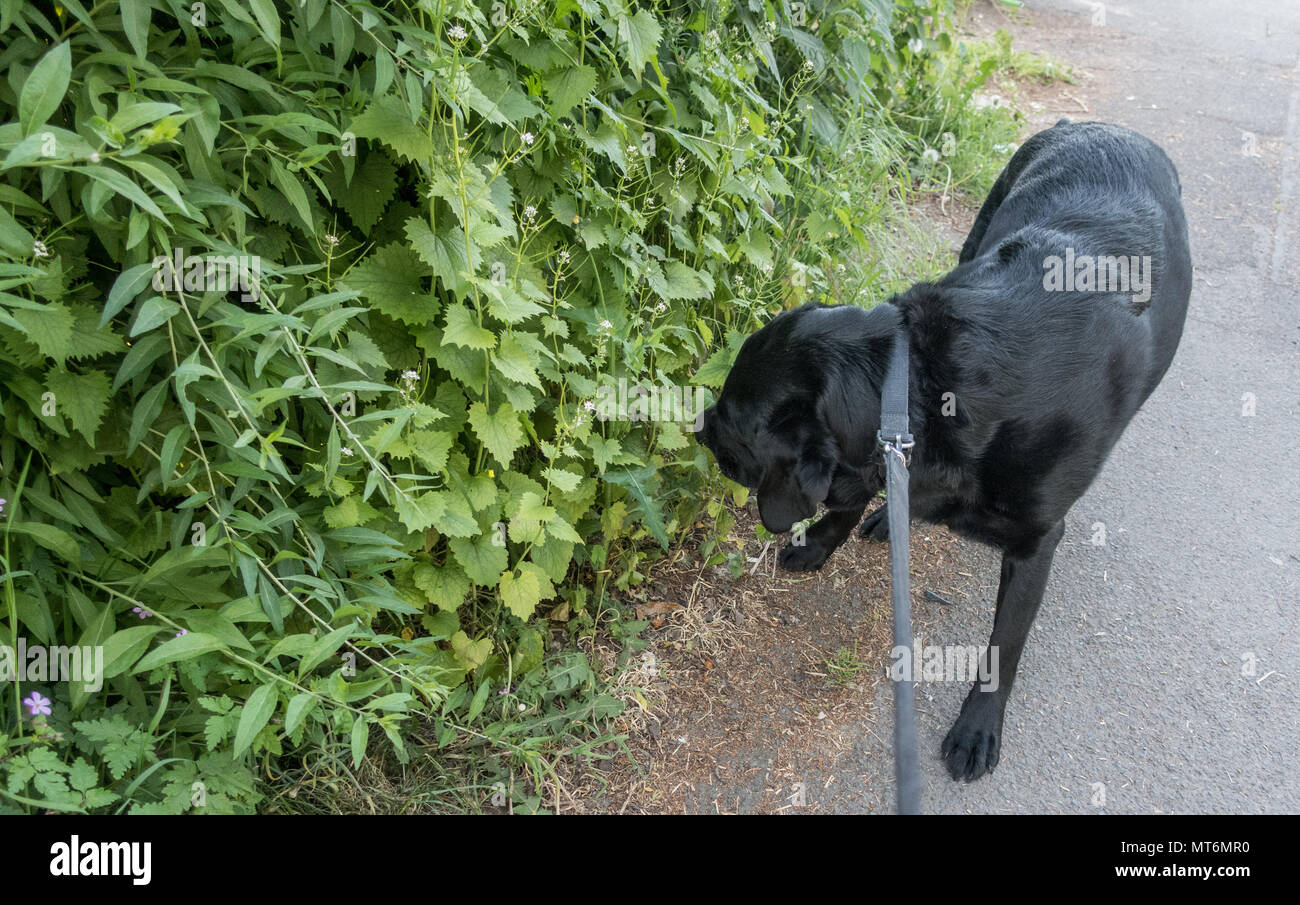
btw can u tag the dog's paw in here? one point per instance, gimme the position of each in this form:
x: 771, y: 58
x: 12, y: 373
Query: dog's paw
x: 974, y: 742
x: 876, y: 525
x: 802, y: 558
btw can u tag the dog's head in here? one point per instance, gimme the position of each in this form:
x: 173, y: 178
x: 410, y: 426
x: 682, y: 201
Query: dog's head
x: 801, y: 398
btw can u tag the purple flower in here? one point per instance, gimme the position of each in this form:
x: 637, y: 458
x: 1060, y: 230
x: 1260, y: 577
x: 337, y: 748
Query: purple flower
x: 183, y: 631
x: 37, y: 703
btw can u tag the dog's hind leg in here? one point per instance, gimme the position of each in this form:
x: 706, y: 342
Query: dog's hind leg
x: 820, y: 540
x: 973, y: 745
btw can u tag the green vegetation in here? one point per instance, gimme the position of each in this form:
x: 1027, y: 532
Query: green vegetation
x: 354, y: 525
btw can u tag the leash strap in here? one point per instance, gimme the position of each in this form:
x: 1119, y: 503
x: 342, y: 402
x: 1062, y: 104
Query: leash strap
x: 895, y: 440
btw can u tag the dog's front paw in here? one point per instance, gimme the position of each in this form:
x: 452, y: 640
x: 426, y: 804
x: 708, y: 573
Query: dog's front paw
x: 802, y: 557
x: 876, y: 525
x: 974, y: 742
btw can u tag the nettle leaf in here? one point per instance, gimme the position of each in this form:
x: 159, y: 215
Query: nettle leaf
x: 390, y: 281
x: 638, y: 38
x: 444, y: 252
x: 372, y: 187
x: 500, y: 431
x: 44, y: 88
x: 389, y: 120
x: 683, y: 283
x: 81, y: 398
x: 49, y: 328
x: 568, y: 86
x: 462, y: 329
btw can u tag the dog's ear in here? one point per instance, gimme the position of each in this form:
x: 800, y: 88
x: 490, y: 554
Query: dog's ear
x: 815, y: 467
x: 792, y: 486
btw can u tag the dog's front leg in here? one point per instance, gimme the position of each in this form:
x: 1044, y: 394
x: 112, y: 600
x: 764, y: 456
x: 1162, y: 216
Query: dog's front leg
x: 820, y: 540
x: 972, y: 746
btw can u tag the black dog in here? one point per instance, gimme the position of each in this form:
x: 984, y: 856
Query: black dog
x: 1026, y: 363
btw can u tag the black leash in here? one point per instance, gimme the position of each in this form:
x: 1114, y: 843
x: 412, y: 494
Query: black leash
x: 895, y: 440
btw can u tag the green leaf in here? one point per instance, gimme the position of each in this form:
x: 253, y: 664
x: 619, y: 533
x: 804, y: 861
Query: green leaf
x: 50, y: 328
x: 14, y: 238
x: 82, y: 398
x: 513, y: 362
x: 462, y: 329
x: 683, y: 283
x: 49, y: 537
x: 521, y: 592
x: 446, y: 586
x: 129, y: 284
x: 500, y: 431
x: 388, y: 120
x: 45, y: 87
x: 638, y: 38
x: 257, y: 713
x: 187, y: 647
x: 480, y: 557
x: 569, y: 86
x: 268, y: 20
x: 135, y: 22
x: 360, y: 738
x: 372, y: 187
x: 390, y: 281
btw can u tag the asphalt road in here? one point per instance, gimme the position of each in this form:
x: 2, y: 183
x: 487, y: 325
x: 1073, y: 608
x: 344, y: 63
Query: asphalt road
x: 1133, y: 675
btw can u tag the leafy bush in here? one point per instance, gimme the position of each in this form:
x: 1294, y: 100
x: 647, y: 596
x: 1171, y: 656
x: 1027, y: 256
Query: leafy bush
x: 358, y: 490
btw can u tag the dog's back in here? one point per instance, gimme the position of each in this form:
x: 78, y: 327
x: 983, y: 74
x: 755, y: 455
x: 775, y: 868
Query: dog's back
x: 1093, y: 191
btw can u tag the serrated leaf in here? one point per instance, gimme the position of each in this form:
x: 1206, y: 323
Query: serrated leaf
x: 49, y: 328
x: 638, y: 38
x: 82, y: 398
x: 390, y: 281
x: 462, y: 329
x: 569, y: 86
x: 388, y: 120
x: 481, y: 558
x: 499, y: 431
x: 446, y: 586
x: 372, y: 187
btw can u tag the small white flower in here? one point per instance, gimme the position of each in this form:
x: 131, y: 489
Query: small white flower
x: 606, y: 326
x: 347, y: 450
x: 456, y: 33
x: 564, y: 256
x: 39, y: 250
x: 530, y: 213
x: 661, y: 307
x: 808, y: 65
x: 930, y: 155
x: 94, y: 157
x: 527, y: 138
x: 915, y: 45
x: 331, y: 239
x: 589, y: 405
